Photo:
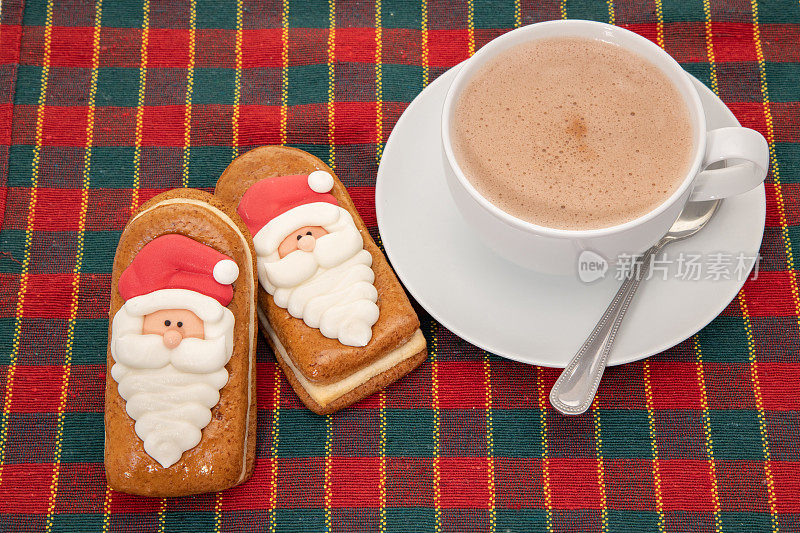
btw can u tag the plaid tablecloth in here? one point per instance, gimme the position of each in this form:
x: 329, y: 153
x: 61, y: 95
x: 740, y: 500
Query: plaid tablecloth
x: 104, y: 106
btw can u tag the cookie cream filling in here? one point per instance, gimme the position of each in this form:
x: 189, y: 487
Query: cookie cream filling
x: 251, y: 357
x: 325, y: 394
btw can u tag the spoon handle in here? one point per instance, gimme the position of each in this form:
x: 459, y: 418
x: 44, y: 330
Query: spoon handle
x: 577, y: 385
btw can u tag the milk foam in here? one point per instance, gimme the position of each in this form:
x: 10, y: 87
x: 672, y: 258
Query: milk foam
x: 572, y: 133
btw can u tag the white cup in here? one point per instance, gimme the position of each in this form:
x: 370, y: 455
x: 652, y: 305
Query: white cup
x: 743, y: 151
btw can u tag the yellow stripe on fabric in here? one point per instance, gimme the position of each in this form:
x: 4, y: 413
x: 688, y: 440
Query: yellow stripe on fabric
x: 107, y: 509
x: 273, y: 452
x: 77, y: 267
x: 284, y: 70
x: 470, y: 27
x: 187, y: 115
x: 776, y: 177
x: 563, y: 9
x: 378, y: 82
x: 437, y: 478
x: 26, y: 260
x: 378, y: 152
x: 651, y: 422
x: 162, y: 509
x: 328, y: 489
x: 237, y: 85
x: 762, y: 420
x: 517, y: 14
x: 424, y: 44
x: 701, y: 380
x: 332, y: 84
x: 490, y: 479
x: 382, y: 461
x: 660, y: 24
x: 709, y: 440
x: 612, y: 14
x: 601, y: 472
x: 137, y: 147
x: 548, y: 497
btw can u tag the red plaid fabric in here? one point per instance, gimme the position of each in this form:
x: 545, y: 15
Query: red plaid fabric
x: 102, y: 106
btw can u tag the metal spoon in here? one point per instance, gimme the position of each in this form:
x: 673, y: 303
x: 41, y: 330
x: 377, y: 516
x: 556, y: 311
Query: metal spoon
x: 575, y: 389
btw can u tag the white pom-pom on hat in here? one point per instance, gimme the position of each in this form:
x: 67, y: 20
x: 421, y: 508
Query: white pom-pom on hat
x: 320, y: 181
x: 226, y: 272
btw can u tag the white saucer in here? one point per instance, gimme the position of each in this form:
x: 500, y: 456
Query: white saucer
x: 519, y: 314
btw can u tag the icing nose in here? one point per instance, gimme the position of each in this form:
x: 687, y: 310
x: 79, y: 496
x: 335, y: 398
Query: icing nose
x: 172, y: 338
x: 306, y: 243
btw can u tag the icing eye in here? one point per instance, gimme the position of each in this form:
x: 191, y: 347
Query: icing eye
x: 299, y: 237
x: 180, y: 324
x: 167, y: 323
x: 308, y: 233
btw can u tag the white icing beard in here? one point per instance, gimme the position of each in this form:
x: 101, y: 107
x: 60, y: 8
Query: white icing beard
x: 169, y: 392
x: 330, y: 288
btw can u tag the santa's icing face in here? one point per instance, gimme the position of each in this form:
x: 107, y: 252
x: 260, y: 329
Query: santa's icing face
x: 311, y: 256
x: 171, y: 341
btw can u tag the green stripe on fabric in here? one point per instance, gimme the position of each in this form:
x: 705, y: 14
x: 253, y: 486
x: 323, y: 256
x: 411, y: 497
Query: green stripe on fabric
x: 117, y: 87
x: 788, y: 161
x: 98, y: 251
x: 20, y: 159
x: 627, y: 521
x: 736, y: 435
x: 112, y: 167
x: 587, y: 10
x: 314, y: 82
x: 122, y: 14
x: 83, y: 439
x: 216, y: 15
x: 91, y: 338
x: 213, y: 86
x: 313, y: 14
x: 78, y: 522
x: 12, y: 250
x: 300, y: 520
x: 778, y: 12
x: 516, y: 433
x: 318, y: 150
x: 29, y: 79
x: 406, y: 430
x: 35, y: 13
x: 302, y: 434
x: 626, y: 433
x: 400, y: 14
x: 783, y: 80
x: 206, y: 164
x: 744, y: 522
x: 724, y: 341
x: 189, y: 521
x: 401, y: 83
x: 521, y: 519
x: 494, y: 14
x: 6, y: 334
x: 682, y: 11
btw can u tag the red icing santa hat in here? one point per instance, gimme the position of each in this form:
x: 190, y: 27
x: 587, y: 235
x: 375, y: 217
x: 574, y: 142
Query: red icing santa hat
x: 176, y: 272
x: 275, y: 207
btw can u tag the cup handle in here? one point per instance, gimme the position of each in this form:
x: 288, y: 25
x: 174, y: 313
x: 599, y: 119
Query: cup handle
x: 747, y: 154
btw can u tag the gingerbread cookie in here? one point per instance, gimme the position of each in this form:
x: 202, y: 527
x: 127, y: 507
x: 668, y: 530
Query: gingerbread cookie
x: 330, y: 305
x: 180, y: 413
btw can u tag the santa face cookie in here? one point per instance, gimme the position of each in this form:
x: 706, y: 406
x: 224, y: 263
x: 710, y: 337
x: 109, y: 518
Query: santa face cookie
x: 181, y: 383
x: 311, y: 256
x: 338, y: 320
